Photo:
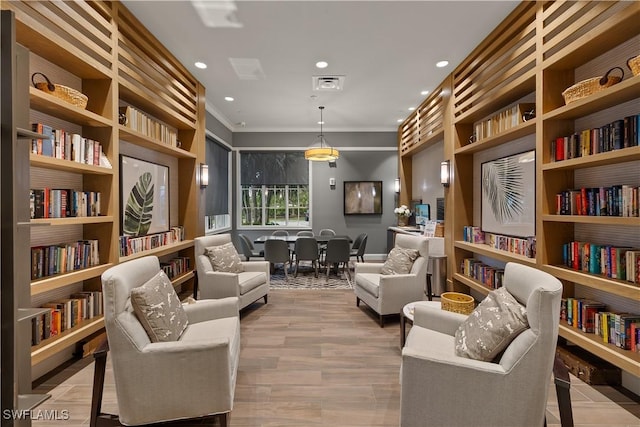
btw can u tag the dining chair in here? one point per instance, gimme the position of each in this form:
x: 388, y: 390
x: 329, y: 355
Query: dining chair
x: 248, y: 250
x: 306, y: 249
x: 323, y: 246
x: 305, y: 233
x: 277, y: 252
x: 338, y: 253
x: 359, y: 246
x: 280, y: 233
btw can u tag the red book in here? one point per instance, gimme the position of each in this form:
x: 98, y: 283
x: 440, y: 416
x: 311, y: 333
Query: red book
x: 560, y: 148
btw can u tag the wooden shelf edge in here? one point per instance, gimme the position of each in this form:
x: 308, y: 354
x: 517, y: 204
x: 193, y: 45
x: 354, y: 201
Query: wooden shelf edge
x: 483, y: 249
x: 472, y: 283
x: 162, y: 250
x: 42, y: 101
x: 523, y: 129
x: 592, y: 219
x: 613, y: 286
x: 137, y: 138
x: 67, y: 338
x: 614, y: 156
x: 183, y: 278
x: 73, y: 220
x: 67, y: 165
x: 424, y: 144
x: 27, y: 402
x: 624, y: 359
x: 50, y: 283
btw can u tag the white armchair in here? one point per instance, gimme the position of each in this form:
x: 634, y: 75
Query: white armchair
x: 248, y: 286
x: 440, y: 388
x: 387, y: 294
x: 191, y: 377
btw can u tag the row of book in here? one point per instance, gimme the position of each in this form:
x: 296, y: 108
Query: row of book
x: 619, y: 329
x: 517, y: 245
x: 618, y: 200
x: 502, y: 121
x: 141, y: 122
x: 176, y: 267
x: 613, y: 136
x: 614, y: 262
x: 489, y: 276
x: 130, y: 245
x: 62, y: 203
x: 68, y: 146
x: 65, y: 314
x: 63, y: 258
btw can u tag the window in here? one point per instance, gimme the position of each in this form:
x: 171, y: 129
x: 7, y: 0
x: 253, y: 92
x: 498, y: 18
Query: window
x: 217, y: 202
x: 274, y: 189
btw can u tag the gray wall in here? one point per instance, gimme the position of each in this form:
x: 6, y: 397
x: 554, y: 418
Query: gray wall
x: 218, y: 129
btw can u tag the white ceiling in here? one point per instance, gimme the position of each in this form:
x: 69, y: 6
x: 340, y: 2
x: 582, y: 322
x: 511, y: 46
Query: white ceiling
x: 387, y: 51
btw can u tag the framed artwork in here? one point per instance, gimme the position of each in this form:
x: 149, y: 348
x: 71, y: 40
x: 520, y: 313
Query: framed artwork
x: 508, y: 195
x: 363, y: 197
x: 422, y: 213
x: 144, y: 192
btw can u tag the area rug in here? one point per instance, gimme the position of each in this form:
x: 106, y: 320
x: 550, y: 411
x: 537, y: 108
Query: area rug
x: 307, y: 280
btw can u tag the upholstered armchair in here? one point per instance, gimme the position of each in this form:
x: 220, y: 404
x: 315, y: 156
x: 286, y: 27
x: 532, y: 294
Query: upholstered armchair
x: 189, y: 374
x: 441, y: 388
x: 249, y: 284
x: 388, y: 293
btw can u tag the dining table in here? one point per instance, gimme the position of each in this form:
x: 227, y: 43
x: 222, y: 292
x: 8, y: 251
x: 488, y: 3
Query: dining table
x: 292, y: 238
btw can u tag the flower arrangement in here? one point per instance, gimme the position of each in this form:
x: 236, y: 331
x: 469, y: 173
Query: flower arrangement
x: 403, y: 210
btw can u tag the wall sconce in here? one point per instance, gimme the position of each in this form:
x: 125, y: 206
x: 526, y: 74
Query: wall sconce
x: 445, y: 173
x: 204, y: 175
x: 396, y: 185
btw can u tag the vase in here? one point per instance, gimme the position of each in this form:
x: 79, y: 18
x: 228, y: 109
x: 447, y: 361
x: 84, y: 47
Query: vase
x: 402, y: 221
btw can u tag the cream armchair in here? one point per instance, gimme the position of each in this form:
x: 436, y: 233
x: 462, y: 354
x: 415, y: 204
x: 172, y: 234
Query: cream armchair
x: 249, y: 285
x: 440, y: 388
x: 387, y: 294
x: 192, y: 377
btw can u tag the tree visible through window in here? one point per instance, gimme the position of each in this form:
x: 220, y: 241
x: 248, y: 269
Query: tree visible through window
x: 274, y: 189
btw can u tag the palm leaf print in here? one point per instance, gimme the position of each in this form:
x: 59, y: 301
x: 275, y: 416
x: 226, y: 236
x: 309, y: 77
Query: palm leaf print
x: 503, y: 186
x: 137, y: 214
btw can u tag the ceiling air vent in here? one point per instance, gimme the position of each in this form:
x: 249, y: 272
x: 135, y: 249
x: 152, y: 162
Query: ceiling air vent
x: 327, y: 83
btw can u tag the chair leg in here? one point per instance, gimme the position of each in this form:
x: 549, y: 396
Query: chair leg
x: 265, y: 298
x: 348, y: 272
x: 295, y: 274
x: 381, y: 321
x: 357, y: 302
x: 315, y: 266
x: 224, y: 419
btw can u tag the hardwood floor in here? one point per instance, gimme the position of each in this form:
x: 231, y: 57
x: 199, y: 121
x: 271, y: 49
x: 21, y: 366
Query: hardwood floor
x: 311, y: 358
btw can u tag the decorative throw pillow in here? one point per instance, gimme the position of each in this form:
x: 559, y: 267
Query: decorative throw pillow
x: 399, y: 261
x: 225, y: 258
x: 489, y: 329
x: 158, y: 308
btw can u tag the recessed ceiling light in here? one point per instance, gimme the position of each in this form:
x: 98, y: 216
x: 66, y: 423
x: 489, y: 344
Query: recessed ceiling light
x: 322, y: 64
x: 412, y: 108
x: 200, y: 65
x: 424, y: 92
x: 441, y: 64
x: 228, y: 98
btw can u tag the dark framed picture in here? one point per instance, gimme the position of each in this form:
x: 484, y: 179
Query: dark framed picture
x: 363, y: 197
x: 508, y: 195
x: 144, y: 192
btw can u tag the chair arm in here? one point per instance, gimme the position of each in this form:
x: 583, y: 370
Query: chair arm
x: 256, y: 266
x: 210, y: 309
x: 436, y: 319
x: 439, y: 362
x: 368, y: 267
x: 218, y: 284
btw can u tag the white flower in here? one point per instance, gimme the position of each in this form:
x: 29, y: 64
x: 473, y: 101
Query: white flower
x: 403, y: 210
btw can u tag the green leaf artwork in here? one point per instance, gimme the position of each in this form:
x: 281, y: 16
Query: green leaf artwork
x: 137, y: 214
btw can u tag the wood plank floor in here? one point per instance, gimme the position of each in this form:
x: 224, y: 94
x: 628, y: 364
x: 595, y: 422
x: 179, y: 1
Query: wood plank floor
x: 312, y: 358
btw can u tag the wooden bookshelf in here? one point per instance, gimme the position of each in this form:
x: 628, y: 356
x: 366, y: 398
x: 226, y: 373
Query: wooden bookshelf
x: 607, y: 158
x: 592, y: 219
x: 67, y: 165
x: 51, y: 283
x: 482, y: 249
x: 53, y: 106
x: 137, y: 138
x: 596, y: 281
x: 58, y: 343
x: 523, y: 129
x: 76, y: 220
x: 160, y: 251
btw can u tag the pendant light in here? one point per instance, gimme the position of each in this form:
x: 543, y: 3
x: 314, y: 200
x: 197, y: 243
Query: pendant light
x: 321, y: 152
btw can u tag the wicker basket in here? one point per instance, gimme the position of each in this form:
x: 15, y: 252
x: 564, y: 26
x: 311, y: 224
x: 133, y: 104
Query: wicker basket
x: 457, y: 302
x: 634, y: 65
x: 65, y: 93
x: 590, y: 86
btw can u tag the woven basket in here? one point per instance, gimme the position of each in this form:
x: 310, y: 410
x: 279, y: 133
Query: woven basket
x: 590, y: 86
x: 65, y: 93
x: 457, y: 302
x: 634, y: 65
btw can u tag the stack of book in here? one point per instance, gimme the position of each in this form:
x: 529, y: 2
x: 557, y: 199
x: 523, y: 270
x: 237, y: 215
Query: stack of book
x: 176, y: 267
x: 63, y: 258
x: 489, y: 276
x: 68, y: 146
x: 618, y: 200
x: 517, y: 245
x: 611, y: 261
x: 61, y: 203
x: 148, y: 126
x: 131, y: 245
x: 503, y: 120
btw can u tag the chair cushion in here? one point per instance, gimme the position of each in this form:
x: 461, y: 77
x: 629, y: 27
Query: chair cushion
x: 370, y: 282
x: 249, y: 280
x: 399, y: 261
x: 158, y: 309
x: 489, y: 329
x: 224, y: 258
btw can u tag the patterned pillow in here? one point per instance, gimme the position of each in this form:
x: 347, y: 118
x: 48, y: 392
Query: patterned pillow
x: 158, y: 308
x: 225, y: 258
x: 489, y: 329
x: 399, y: 261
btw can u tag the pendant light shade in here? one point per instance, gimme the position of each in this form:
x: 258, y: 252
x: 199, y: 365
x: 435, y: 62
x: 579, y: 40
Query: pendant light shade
x: 321, y: 151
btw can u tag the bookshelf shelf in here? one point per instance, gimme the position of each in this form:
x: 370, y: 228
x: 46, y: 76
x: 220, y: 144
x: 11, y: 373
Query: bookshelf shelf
x: 67, y: 165
x: 29, y: 313
x: 162, y: 250
x: 523, y: 129
x: 27, y: 402
x: 603, y: 283
x: 608, y: 158
x: 505, y: 256
x: 73, y: 220
x: 590, y: 219
x: 423, y: 142
x: 182, y: 278
x: 624, y: 359
x: 472, y: 283
x: 137, y: 138
x: 51, y: 105
x: 51, y: 346
x: 51, y: 283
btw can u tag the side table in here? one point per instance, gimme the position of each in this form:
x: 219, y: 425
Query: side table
x: 407, y: 316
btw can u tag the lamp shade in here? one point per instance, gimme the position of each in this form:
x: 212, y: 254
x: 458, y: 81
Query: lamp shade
x: 321, y: 152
